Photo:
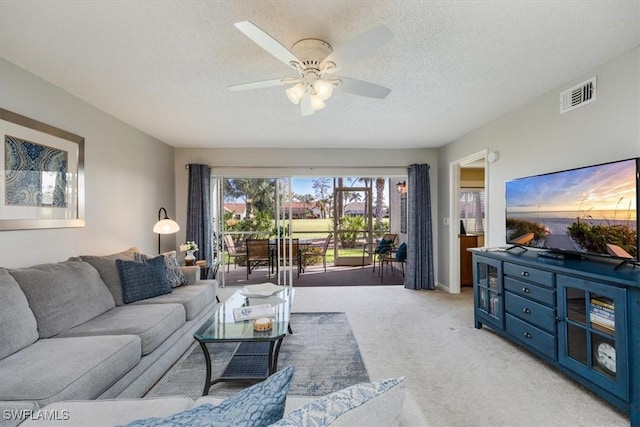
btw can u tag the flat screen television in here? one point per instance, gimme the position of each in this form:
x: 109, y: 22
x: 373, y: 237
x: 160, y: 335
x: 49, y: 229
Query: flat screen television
x: 591, y: 210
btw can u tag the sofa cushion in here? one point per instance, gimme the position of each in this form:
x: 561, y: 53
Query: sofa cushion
x: 18, y: 327
x: 153, y: 323
x: 191, y: 273
x: 257, y: 406
x: 142, y: 280
x: 67, y: 368
x: 63, y: 295
x: 175, y: 275
x: 194, y: 298
x: 378, y: 403
x: 106, y: 266
x: 14, y: 412
x: 109, y: 412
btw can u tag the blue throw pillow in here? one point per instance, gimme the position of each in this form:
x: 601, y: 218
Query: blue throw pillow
x: 174, y: 273
x: 384, y: 246
x: 142, y: 280
x: 401, y: 253
x: 260, y: 405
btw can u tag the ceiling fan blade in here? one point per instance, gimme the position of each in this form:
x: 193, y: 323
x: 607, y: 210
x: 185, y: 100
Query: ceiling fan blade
x: 263, y: 83
x: 362, y: 88
x: 359, y: 47
x: 267, y: 42
x: 305, y: 105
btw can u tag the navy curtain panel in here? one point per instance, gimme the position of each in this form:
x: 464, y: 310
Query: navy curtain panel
x: 419, y: 273
x: 199, y: 221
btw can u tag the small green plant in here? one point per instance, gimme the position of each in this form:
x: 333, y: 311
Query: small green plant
x: 594, y: 238
x: 260, y: 226
x: 351, y: 227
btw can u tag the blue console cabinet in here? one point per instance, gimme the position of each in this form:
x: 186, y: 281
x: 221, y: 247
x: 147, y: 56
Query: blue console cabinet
x: 581, y: 316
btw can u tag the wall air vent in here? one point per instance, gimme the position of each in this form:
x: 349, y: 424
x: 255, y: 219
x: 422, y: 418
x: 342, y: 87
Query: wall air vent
x: 577, y: 96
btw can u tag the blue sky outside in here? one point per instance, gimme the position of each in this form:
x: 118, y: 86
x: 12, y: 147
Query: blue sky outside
x: 305, y: 186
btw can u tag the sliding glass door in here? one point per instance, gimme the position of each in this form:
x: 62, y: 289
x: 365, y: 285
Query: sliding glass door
x: 252, y: 230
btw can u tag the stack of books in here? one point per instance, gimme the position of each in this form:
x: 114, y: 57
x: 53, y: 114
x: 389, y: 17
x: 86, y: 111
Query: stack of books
x: 602, y: 313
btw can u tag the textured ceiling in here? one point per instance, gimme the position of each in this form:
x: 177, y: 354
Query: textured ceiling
x: 164, y: 66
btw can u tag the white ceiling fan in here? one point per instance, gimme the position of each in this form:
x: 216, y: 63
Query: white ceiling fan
x: 315, y: 62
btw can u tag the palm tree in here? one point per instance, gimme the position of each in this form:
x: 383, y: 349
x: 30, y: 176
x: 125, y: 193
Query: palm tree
x: 379, y: 199
x: 379, y: 196
x: 256, y: 192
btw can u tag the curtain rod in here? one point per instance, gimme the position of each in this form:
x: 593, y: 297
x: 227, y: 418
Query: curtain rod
x: 304, y: 167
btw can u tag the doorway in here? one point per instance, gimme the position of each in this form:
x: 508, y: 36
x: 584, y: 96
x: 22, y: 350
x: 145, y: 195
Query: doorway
x: 462, y: 215
x: 308, y: 211
x: 253, y: 229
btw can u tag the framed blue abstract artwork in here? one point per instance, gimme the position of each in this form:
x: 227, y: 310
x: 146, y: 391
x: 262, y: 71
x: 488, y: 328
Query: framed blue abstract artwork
x: 42, y: 179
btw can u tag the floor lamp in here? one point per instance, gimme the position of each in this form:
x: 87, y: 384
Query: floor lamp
x: 165, y: 225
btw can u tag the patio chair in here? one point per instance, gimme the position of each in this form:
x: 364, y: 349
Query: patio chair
x: 257, y: 254
x: 375, y: 248
x: 393, y: 256
x: 316, y: 251
x: 232, y: 251
x: 323, y: 252
x: 285, y: 247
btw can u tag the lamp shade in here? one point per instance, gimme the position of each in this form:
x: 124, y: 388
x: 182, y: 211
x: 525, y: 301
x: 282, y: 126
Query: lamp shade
x: 317, y: 103
x: 294, y: 93
x: 323, y: 89
x: 166, y: 226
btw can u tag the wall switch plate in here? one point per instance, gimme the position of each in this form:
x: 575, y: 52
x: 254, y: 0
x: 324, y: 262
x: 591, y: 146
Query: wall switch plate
x: 446, y: 221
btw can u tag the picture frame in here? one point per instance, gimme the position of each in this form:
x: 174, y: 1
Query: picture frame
x: 41, y: 175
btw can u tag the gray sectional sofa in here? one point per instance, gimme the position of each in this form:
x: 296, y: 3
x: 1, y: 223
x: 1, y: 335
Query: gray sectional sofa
x: 66, y: 334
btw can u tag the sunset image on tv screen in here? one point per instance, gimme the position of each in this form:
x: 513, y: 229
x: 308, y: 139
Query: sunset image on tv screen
x: 591, y: 209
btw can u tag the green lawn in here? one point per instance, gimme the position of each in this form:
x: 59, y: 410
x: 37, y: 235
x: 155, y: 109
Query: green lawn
x: 312, y: 228
x: 319, y: 229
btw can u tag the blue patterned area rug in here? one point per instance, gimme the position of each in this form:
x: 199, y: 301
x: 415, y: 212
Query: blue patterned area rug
x: 322, y: 349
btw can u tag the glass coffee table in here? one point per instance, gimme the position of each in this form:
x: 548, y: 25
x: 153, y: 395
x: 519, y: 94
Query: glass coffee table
x: 256, y: 357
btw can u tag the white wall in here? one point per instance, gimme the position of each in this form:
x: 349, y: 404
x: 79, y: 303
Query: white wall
x: 536, y: 139
x: 299, y: 162
x: 129, y: 175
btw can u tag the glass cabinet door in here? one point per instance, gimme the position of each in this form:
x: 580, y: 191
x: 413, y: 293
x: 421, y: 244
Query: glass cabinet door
x: 488, y: 295
x: 591, y: 336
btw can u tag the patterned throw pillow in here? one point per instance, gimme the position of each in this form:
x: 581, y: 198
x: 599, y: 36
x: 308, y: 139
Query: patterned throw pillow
x: 379, y: 403
x: 142, y: 280
x: 259, y: 405
x: 175, y: 275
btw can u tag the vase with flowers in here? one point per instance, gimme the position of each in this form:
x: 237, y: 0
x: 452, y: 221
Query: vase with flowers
x: 189, y: 248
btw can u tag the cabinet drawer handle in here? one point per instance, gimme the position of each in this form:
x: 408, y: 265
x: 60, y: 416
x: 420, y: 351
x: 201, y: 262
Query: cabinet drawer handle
x: 525, y: 273
x: 526, y: 311
x: 526, y: 290
x: 527, y: 335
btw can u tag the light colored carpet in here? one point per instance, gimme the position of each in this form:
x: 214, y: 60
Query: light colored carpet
x: 322, y: 349
x: 459, y: 375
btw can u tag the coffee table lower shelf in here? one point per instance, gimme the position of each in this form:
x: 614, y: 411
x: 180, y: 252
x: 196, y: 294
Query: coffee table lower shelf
x: 250, y: 361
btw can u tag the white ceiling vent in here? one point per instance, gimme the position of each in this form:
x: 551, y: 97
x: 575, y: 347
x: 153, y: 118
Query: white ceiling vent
x: 577, y: 96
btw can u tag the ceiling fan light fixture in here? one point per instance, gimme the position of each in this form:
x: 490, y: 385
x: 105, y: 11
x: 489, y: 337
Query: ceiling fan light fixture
x: 315, y: 62
x: 317, y: 103
x: 294, y: 93
x: 323, y: 89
